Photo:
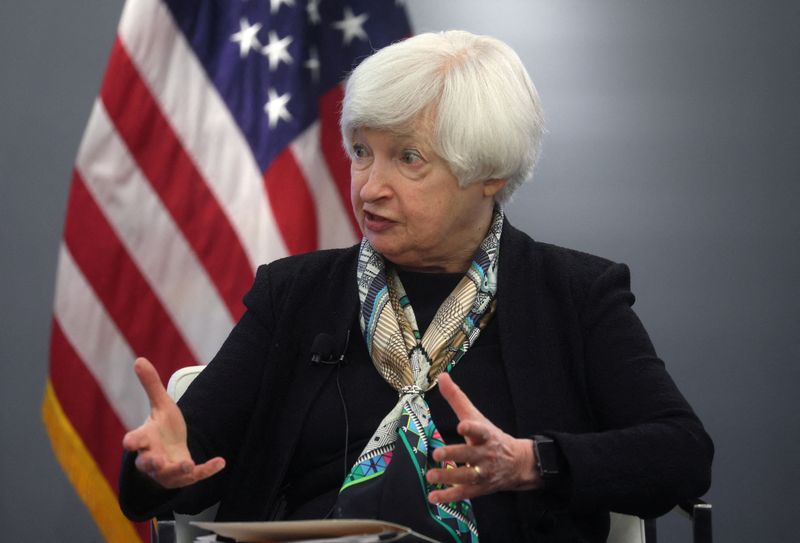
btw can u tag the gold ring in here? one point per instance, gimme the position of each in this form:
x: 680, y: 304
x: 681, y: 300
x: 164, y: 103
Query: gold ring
x: 477, y: 471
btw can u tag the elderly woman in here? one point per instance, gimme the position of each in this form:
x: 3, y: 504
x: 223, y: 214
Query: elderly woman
x: 562, y: 410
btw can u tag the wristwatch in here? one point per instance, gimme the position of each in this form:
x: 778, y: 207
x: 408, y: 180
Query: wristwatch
x: 547, y: 461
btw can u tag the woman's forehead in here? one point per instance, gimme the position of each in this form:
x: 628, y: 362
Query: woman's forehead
x: 417, y: 133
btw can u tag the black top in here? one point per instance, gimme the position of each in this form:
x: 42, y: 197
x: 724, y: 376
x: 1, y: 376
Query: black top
x: 578, y: 365
x: 318, y: 468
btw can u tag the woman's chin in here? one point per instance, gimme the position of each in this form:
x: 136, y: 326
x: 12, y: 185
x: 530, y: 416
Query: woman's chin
x: 380, y: 245
x: 387, y: 248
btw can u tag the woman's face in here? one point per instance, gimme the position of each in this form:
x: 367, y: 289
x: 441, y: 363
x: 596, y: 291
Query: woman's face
x: 409, y: 205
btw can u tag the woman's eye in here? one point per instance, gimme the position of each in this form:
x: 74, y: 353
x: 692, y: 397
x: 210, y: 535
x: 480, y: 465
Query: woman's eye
x: 410, y: 156
x: 359, y: 150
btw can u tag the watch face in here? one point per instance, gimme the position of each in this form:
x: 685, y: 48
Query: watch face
x: 546, y: 456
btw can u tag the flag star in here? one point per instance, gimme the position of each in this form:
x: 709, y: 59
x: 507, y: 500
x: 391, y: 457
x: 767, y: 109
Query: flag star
x: 246, y: 37
x: 276, y: 108
x: 275, y: 5
x: 276, y: 50
x: 313, y: 63
x: 312, y: 9
x: 352, y: 25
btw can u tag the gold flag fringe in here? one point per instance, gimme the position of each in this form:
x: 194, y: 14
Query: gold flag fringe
x: 84, y: 474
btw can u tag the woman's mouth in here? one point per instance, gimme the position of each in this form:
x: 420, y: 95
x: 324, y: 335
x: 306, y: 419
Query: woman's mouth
x: 376, y: 223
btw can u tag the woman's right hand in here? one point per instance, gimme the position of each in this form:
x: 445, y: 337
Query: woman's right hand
x: 160, y: 443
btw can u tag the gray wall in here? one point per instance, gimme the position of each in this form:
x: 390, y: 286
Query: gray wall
x: 674, y: 135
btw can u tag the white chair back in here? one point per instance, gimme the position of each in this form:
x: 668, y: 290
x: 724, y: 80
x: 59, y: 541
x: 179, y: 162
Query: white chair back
x: 180, y: 381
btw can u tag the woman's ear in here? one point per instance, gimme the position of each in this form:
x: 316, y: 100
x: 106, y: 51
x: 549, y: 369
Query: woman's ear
x: 492, y: 186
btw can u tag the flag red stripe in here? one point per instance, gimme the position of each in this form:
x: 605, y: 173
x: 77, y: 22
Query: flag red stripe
x: 330, y: 105
x: 120, y: 286
x: 174, y: 176
x: 292, y: 204
x: 89, y: 411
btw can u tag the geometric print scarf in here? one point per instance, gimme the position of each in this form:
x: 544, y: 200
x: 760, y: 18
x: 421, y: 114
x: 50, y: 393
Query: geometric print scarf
x: 400, y: 452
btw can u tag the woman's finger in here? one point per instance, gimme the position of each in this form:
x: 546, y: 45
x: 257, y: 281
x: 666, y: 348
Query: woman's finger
x: 456, y: 493
x: 184, y: 474
x: 151, y: 382
x: 462, y: 475
x: 150, y: 463
x: 177, y: 474
x: 458, y: 453
x: 135, y: 440
x: 475, y: 432
x: 208, y: 468
x: 455, y: 397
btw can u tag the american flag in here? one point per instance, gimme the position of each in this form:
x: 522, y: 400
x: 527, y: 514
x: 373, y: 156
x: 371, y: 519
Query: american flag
x: 212, y: 147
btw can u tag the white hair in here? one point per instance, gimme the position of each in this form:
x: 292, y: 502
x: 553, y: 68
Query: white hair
x: 487, y: 122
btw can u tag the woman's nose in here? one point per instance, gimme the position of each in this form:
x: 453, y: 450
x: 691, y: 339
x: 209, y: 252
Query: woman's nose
x: 377, y: 182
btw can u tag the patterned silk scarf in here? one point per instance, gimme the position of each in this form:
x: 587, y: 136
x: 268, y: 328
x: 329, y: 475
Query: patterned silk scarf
x: 390, y: 472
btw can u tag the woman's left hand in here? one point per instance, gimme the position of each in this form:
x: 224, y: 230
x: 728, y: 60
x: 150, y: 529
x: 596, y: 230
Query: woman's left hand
x: 489, y: 461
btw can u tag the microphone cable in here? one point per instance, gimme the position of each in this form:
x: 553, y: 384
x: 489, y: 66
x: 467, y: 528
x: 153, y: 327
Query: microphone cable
x: 346, y: 419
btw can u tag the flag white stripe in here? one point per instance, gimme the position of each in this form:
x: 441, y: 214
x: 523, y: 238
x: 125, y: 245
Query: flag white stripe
x: 96, y: 339
x: 203, y: 124
x: 157, y: 246
x: 333, y: 221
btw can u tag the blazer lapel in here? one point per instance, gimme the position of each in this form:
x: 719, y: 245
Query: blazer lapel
x: 333, y: 313
x: 517, y: 303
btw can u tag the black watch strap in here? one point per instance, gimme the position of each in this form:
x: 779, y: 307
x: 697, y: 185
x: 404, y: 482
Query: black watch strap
x: 547, y: 460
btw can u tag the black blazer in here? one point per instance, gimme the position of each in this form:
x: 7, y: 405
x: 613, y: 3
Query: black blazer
x: 580, y: 368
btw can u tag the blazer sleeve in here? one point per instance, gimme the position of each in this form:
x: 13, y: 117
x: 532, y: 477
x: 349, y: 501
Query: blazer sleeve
x: 217, y: 408
x: 650, y: 450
